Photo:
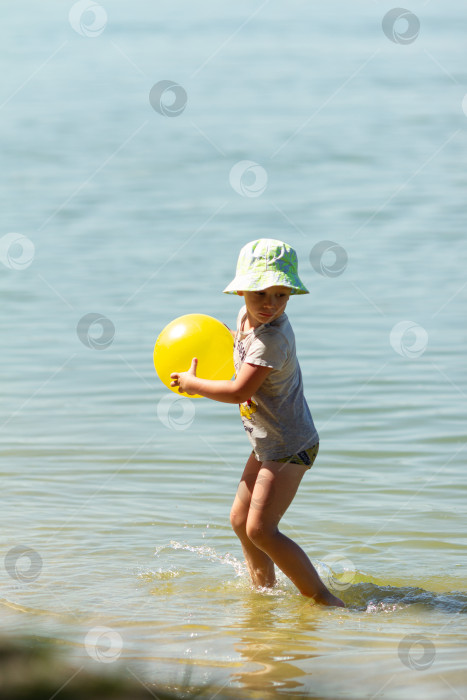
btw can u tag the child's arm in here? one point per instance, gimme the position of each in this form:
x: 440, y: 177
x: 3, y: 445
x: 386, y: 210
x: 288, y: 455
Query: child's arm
x: 245, y: 384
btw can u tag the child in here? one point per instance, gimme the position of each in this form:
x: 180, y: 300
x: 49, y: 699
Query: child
x: 268, y: 386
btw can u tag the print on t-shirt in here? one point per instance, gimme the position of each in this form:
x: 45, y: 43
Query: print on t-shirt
x: 247, y: 408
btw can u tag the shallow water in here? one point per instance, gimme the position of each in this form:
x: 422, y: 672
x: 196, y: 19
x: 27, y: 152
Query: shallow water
x: 119, y: 492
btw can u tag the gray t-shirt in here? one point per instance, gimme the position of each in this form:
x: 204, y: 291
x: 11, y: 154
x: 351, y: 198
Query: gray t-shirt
x: 276, y: 418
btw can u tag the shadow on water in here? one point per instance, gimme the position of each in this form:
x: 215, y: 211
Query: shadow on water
x: 373, y: 598
x: 32, y: 668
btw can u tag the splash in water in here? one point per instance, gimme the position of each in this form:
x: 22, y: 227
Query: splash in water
x: 373, y: 598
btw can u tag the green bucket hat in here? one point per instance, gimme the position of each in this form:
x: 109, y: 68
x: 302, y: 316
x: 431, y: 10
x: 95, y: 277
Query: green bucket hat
x: 266, y: 263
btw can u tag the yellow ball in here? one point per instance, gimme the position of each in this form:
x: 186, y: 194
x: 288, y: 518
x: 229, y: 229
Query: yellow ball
x: 189, y: 336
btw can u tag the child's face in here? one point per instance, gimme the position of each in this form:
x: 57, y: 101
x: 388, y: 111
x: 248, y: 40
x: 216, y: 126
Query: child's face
x: 265, y: 306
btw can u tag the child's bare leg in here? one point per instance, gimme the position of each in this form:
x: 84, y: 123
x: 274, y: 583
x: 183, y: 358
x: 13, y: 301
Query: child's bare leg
x: 275, y: 487
x: 260, y: 564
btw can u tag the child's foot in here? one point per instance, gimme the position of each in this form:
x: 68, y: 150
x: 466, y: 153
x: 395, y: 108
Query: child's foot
x: 329, y: 599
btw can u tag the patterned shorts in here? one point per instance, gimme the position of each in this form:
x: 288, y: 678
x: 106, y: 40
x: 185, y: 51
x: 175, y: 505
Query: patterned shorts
x: 307, y: 457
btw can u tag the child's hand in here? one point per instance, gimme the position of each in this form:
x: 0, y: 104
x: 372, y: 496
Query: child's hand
x: 183, y: 379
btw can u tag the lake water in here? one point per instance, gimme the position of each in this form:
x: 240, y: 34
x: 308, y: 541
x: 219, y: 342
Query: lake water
x: 338, y: 127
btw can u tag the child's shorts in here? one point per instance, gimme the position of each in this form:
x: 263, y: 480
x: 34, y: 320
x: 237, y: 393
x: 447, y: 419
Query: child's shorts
x: 307, y: 457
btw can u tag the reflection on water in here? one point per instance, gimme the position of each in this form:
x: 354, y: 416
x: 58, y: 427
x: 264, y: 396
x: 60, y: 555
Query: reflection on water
x: 269, y: 645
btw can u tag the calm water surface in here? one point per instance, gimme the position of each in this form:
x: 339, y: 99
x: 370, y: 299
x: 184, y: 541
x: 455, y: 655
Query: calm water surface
x: 115, y: 531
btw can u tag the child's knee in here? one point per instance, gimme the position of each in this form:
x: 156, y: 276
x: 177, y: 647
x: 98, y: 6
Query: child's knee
x: 259, y: 533
x: 238, y: 520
